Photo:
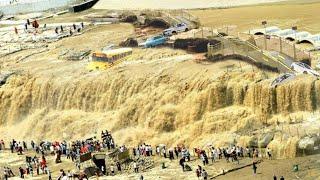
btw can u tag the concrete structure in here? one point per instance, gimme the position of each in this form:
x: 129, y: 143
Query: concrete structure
x: 298, y: 36
x: 268, y: 30
x: 283, y: 33
x: 313, y: 39
x: 34, y: 6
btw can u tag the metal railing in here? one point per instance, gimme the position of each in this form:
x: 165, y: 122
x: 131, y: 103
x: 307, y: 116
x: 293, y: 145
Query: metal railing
x: 235, y: 46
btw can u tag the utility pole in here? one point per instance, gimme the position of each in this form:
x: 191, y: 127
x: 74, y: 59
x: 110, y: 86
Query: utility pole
x: 264, y: 23
x: 295, y: 28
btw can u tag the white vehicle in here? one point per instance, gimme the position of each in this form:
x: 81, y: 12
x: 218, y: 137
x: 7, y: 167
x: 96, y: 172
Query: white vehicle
x: 282, y: 79
x: 182, y: 27
x: 303, y: 68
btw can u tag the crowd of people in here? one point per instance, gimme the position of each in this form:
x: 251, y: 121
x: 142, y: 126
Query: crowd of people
x: 32, y: 26
x: 142, y: 150
x: 73, y: 150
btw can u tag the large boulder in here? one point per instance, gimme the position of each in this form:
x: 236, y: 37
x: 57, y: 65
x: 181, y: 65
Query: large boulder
x: 4, y: 77
x: 309, y: 143
x: 265, y: 140
x: 129, y: 42
x: 253, y: 142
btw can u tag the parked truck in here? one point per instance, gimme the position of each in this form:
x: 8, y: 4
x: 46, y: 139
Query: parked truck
x: 182, y: 27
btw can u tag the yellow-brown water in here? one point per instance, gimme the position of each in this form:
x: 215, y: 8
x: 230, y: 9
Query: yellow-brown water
x: 181, y: 102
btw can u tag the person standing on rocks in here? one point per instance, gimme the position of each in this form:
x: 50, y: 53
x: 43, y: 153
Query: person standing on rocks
x: 203, y: 159
x: 24, y: 145
x: 5, y: 173
x: 61, y: 29
x: 118, y: 166
x: 32, y: 144
x: 181, y: 162
x: 171, y: 156
x: 164, y: 152
x: 112, y: 170
x: 269, y: 153
x: 15, y: 30
x: 198, y: 171
x: 254, y: 167
x: 176, y: 152
x: 158, y: 150
x: 274, y: 177
x: 212, y: 155
x: 135, y: 167
x: 21, y: 171
x: 204, y: 174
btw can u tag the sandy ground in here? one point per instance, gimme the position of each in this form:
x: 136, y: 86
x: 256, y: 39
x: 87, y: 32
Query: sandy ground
x: 285, y: 15
x: 174, y: 4
x: 309, y: 168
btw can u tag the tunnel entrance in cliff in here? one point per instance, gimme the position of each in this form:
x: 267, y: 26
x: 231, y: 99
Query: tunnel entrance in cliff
x: 158, y: 23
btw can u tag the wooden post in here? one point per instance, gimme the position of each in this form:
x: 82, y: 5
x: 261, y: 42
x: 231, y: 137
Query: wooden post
x: 202, y: 32
x: 212, y: 32
x: 294, y: 52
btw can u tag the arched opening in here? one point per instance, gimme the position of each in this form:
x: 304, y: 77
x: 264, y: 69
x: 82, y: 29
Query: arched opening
x: 158, y: 23
x: 290, y: 38
x: 306, y: 41
x: 259, y: 33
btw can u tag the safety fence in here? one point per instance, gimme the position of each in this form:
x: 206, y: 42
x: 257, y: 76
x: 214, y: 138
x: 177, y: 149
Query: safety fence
x: 254, y: 47
x: 273, y: 43
x: 289, y: 48
x: 237, y: 48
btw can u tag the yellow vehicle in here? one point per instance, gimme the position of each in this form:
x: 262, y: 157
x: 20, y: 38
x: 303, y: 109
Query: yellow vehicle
x: 105, y: 59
